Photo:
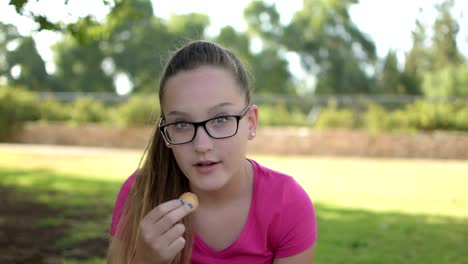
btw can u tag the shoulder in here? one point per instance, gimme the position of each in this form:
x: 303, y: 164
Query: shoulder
x: 120, y: 201
x: 280, y: 187
x: 127, y: 185
x: 289, y: 210
x: 125, y: 188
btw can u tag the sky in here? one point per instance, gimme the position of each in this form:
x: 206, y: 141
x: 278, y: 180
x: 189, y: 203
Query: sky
x: 388, y: 22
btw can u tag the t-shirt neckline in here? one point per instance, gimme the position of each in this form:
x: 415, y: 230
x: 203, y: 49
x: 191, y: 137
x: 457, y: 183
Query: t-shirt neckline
x: 247, y: 226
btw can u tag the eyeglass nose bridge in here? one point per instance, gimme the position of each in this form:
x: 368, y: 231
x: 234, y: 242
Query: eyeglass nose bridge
x: 203, y: 125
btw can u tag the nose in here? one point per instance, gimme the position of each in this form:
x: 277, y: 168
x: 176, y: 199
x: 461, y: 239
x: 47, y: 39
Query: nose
x: 202, y: 141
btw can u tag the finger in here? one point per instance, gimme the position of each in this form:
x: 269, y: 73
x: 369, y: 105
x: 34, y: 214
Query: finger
x: 159, y: 211
x: 173, y: 233
x: 176, y: 246
x: 171, y: 218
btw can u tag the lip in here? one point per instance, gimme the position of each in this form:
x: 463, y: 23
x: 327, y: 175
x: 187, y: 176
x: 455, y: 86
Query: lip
x: 206, y: 166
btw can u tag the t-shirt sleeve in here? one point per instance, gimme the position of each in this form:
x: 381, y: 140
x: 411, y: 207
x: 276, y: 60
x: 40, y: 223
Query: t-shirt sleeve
x: 120, y: 202
x: 297, y: 229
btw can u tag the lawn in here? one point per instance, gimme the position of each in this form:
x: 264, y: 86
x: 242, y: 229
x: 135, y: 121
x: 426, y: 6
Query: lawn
x: 369, y: 210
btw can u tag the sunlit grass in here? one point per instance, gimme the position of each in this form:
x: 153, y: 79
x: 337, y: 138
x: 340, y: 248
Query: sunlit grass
x: 436, y: 187
x: 104, y: 165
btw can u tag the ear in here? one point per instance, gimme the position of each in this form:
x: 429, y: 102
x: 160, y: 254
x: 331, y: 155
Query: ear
x: 253, y: 121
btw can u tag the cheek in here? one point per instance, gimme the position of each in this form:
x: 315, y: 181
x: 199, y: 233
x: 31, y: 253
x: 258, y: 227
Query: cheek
x: 236, y: 145
x: 181, y: 155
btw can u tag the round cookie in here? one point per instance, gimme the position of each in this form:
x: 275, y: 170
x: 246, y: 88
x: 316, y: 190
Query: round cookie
x: 190, y: 198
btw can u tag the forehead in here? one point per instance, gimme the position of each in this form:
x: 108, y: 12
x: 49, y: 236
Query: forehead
x: 201, y: 88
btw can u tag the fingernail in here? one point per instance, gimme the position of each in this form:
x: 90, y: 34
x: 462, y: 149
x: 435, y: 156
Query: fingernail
x: 190, y: 205
x: 181, y: 202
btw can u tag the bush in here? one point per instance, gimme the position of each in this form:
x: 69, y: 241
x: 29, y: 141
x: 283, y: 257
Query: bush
x: 138, y: 111
x: 50, y: 110
x: 332, y: 117
x: 375, y: 118
x: 16, y: 106
x: 419, y: 116
x: 88, y: 110
x: 279, y: 115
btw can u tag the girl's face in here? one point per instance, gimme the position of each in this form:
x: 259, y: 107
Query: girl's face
x: 197, y: 95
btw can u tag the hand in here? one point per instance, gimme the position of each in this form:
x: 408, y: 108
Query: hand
x: 160, y: 233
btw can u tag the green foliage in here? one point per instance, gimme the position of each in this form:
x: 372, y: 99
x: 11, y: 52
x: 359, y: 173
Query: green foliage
x: 333, y: 117
x: 449, y: 81
x: 325, y: 38
x: 16, y: 106
x: 131, y: 40
x: 444, y: 50
x: 138, y: 111
x: 44, y: 23
x: 79, y: 67
x: 33, y: 74
x: 435, y: 66
x: 88, y: 110
x: 51, y: 110
x: 419, y: 116
x: 391, y: 77
x: 20, y: 62
x: 279, y: 115
x: 268, y: 67
x: 375, y: 118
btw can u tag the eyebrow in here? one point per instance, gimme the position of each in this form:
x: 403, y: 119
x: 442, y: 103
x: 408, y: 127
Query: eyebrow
x: 212, y: 109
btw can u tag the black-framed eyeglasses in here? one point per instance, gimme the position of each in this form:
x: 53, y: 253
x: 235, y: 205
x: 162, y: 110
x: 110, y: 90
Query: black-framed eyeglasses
x: 219, y: 127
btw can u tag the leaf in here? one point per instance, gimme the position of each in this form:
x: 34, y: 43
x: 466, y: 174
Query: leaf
x: 19, y: 4
x: 45, y: 24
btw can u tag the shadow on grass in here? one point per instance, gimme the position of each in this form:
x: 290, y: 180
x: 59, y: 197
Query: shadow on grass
x: 83, y: 208
x: 79, y: 209
x: 361, y: 236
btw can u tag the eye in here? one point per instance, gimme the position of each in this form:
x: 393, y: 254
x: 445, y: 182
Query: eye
x: 181, y: 125
x: 220, y: 120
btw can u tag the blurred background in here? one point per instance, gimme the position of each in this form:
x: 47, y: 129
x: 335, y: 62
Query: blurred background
x: 366, y: 103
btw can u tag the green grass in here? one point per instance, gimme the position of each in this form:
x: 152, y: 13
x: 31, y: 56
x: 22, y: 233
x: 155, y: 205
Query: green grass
x: 369, y: 210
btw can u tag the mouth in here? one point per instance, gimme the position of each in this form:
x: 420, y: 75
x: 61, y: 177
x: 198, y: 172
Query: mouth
x: 206, y: 163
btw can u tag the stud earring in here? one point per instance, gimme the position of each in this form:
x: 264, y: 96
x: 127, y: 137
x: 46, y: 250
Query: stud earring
x: 167, y: 144
x: 252, y: 134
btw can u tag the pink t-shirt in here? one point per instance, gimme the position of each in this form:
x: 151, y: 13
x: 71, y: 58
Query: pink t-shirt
x: 281, y: 222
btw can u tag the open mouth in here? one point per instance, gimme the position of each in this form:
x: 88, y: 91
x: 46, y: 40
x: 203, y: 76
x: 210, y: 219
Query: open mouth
x: 206, y: 163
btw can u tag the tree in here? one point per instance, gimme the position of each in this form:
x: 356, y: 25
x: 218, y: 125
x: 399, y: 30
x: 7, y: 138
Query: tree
x: 417, y: 60
x: 77, y: 29
x: 269, y: 70
x: 20, y: 63
x: 390, y: 81
x: 133, y: 38
x: 79, y: 67
x: 444, y: 49
x: 8, y: 35
x: 331, y: 47
x: 451, y: 81
x: 32, y: 71
x: 139, y: 46
x: 438, y: 67
x: 131, y: 42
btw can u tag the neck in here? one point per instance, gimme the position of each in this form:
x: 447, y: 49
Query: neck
x: 236, y: 188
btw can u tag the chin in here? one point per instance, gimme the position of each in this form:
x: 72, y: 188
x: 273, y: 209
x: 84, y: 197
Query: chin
x: 209, y: 184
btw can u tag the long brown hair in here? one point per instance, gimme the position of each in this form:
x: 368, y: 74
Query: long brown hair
x: 160, y: 178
